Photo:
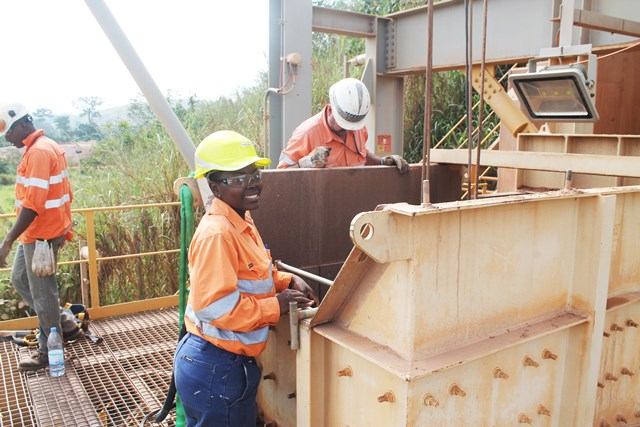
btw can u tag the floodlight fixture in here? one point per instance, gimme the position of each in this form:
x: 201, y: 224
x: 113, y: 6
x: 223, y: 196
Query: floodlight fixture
x: 558, y: 93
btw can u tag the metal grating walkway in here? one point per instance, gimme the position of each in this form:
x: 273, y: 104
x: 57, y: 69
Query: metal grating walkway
x: 115, y: 383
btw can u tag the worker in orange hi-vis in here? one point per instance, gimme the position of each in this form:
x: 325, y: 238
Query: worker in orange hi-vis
x: 337, y: 135
x: 236, y: 292
x: 43, y: 206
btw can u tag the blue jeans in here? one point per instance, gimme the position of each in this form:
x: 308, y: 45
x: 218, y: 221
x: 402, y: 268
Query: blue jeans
x: 216, y: 387
x: 40, y: 293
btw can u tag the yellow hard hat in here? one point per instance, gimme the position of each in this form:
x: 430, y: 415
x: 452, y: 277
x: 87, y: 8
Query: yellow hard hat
x: 226, y: 150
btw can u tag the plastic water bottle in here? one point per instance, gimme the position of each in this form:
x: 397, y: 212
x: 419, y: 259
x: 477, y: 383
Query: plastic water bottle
x: 56, y: 353
x: 67, y: 309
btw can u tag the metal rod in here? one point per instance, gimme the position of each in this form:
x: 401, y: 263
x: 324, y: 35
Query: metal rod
x: 282, y: 266
x: 428, y: 85
x: 293, y: 325
x: 144, y: 80
x: 469, y: 27
x: 481, y: 100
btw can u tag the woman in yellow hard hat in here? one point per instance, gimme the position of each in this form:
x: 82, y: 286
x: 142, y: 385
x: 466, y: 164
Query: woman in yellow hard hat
x: 233, y: 296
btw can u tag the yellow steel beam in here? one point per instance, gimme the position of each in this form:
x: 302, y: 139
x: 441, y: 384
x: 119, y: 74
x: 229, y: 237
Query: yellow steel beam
x: 494, y: 95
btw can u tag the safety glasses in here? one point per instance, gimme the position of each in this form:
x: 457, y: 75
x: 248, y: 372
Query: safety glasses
x: 240, y: 181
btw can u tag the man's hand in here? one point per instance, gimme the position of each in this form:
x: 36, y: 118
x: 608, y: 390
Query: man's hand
x: 315, y: 159
x: 5, y: 248
x: 397, y: 161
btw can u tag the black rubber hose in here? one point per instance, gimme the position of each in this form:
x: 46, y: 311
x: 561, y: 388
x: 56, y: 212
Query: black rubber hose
x: 169, y: 403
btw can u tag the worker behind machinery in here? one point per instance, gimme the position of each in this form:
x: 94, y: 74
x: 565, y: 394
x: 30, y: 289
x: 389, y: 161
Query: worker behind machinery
x: 43, y: 207
x: 233, y: 297
x: 337, y: 135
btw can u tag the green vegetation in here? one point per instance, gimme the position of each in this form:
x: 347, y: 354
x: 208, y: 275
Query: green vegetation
x: 135, y: 162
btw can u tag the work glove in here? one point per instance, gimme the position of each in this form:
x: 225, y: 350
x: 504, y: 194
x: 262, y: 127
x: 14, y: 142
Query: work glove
x: 315, y: 159
x: 397, y: 161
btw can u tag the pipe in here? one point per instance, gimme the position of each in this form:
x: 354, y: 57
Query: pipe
x: 143, y: 79
x: 295, y: 316
x: 282, y: 266
x: 293, y: 325
x: 265, y: 120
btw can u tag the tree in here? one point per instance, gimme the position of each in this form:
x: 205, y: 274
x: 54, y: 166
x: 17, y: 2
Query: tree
x: 42, y: 113
x: 88, y: 107
x: 87, y: 132
x: 63, y: 123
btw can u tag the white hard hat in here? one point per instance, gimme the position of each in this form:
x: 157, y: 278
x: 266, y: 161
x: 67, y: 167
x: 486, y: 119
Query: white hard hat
x: 350, y: 103
x: 9, y: 114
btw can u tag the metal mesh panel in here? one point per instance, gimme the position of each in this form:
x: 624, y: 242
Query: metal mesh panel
x: 15, y: 405
x: 113, y: 384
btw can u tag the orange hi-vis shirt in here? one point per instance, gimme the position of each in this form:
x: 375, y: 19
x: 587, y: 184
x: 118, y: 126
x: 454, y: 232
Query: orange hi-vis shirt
x: 315, y: 132
x: 233, y: 283
x: 42, y: 185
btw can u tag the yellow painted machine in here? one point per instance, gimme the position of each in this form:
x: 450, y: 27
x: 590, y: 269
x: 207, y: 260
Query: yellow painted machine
x: 520, y: 307
x: 516, y: 308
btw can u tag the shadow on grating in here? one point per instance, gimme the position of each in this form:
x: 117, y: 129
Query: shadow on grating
x: 115, y: 383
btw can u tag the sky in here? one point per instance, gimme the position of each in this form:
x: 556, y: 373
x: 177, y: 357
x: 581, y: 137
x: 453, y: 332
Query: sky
x: 55, y: 51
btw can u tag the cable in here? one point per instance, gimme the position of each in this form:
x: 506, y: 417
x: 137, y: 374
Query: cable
x: 613, y: 53
x: 186, y: 233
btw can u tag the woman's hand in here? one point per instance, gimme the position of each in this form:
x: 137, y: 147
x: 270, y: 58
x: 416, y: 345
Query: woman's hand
x: 299, y: 284
x: 289, y: 295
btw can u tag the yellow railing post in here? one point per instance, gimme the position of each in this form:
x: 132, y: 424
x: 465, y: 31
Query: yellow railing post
x: 93, y: 265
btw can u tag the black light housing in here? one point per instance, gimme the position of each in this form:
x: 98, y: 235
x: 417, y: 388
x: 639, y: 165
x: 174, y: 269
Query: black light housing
x: 557, y: 94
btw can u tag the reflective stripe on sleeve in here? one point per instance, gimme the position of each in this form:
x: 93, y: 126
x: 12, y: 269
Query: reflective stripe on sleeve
x: 32, y: 182
x: 56, y: 203
x: 57, y: 179
x: 224, y: 305
x: 257, y: 286
x: 288, y: 160
x: 219, y: 308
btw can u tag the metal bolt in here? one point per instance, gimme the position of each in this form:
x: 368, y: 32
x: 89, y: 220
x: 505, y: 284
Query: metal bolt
x: 631, y: 323
x: 615, y: 327
x: 346, y: 372
x: 387, y: 397
x: 543, y: 411
x: 523, y: 419
x: 269, y: 376
x: 611, y: 377
x: 429, y: 400
x: 499, y: 373
x: 625, y: 371
x: 527, y: 361
x: 454, y: 390
x: 546, y: 354
x: 621, y: 419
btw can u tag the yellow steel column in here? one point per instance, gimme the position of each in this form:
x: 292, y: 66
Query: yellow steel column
x: 93, y: 265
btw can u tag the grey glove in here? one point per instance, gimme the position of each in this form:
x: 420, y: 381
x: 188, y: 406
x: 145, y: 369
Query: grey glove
x: 315, y: 159
x: 397, y: 161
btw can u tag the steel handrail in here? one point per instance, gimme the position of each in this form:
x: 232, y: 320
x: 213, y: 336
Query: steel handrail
x: 92, y: 260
